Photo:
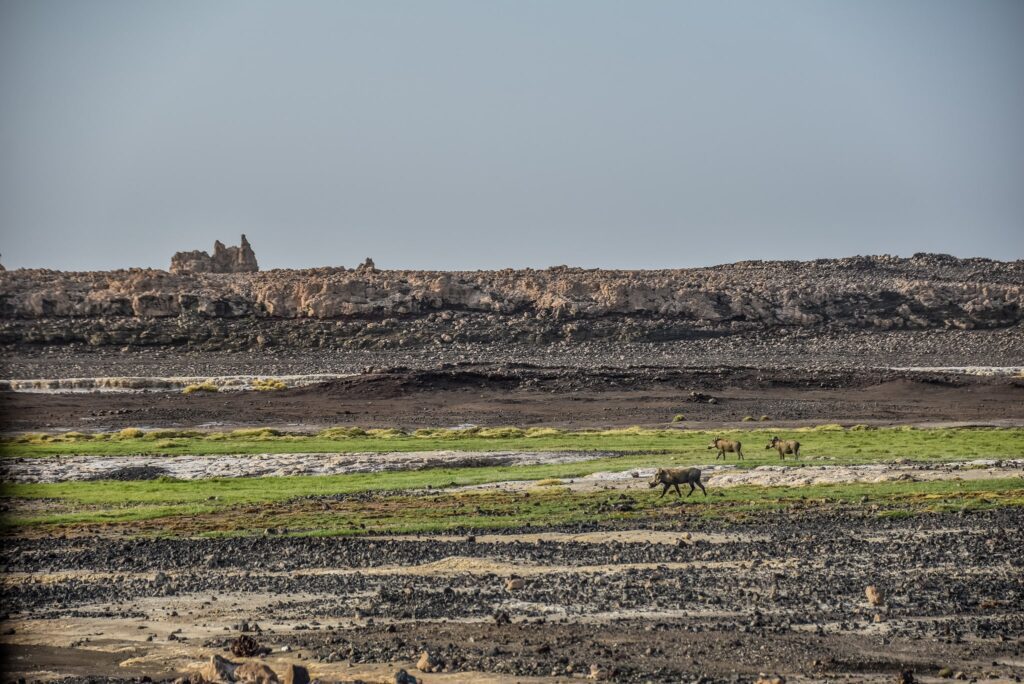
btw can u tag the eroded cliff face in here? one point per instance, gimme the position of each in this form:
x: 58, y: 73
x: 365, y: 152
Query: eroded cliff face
x: 367, y: 307
x: 239, y: 259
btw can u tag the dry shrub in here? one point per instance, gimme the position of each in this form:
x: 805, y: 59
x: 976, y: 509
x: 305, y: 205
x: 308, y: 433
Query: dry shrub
x: 203, y: 387
x: 268, y: 385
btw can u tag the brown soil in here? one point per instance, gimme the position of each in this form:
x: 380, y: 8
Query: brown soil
x: 550, y: 397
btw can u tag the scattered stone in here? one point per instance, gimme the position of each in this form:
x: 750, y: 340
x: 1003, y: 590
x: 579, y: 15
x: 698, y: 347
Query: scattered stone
x: 255, y: 673
x: 770, y: 679
x: 403, y: 677
x: 515, y: 584
x: 428, y: 663
x: 247, y: 647
x: 296, y: 674
x: 874, y: 595
x: 218, y: 669
x: 905, y: 677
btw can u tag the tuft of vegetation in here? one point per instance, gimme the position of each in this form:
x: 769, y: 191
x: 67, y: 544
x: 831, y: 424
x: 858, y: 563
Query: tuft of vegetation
x: 202, y: 387
x: 387, y: 433
x: 534, y: 433
x: 678, y: 418
x: 501, y: 433
x: 155, y: 435
x: 764, y: 419
x: 268, y: 385
x: 748, y: 419
x: 256, y: 433
x: 342, y: 433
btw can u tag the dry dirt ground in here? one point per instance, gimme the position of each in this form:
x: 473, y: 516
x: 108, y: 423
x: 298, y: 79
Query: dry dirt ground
x: 559, y: 397
x: 689, y: 600
x: 681, y: 598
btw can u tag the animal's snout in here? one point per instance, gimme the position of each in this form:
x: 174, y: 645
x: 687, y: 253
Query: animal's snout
x: 653, y: 483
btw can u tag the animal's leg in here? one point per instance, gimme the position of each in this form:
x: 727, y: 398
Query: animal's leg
x: 663, y: 491
x: 691, y: 489
x: 739, y: 454
x: 678, y: 493
x: 702, y: 488
x: 796, y: 451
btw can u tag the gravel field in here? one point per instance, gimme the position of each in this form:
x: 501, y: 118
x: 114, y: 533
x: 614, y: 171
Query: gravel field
x: 784, y: 347
x: 692, y: 599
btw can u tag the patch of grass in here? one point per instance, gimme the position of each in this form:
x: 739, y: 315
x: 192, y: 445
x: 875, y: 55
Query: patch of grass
x: 678, y: 418
x: 674, y: 446
x: 248, y: 507
x: 342, y: 433
x: 268, y: 385
x: 501, y: 433
x: 255, y: 433
x: 202, y: 387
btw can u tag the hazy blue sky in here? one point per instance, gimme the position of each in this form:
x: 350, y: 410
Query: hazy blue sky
x: 484, y: 133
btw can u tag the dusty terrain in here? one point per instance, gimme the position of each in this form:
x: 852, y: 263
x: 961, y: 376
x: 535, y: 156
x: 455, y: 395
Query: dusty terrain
x: 690, y: 599
x: 561, y: 397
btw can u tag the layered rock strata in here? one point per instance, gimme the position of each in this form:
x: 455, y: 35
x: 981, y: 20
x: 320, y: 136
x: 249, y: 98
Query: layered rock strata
x: 337, y: 307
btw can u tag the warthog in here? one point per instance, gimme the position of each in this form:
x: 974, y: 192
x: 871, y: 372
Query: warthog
x: 784, y: 446
x: 673, y: 477
x: 724, y: 445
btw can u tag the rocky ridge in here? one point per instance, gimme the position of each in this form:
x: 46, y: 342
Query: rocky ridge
x: 368, y: 308
x: 239, y: 259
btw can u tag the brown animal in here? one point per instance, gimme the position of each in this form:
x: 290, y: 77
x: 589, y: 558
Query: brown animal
x: 784, y: 446
x: 726, y: 445
x: 673, y: 477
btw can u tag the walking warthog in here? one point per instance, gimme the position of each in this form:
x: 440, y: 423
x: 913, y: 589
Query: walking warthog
x: 784, y: 446
x: 724, y: 445
x: 673, y: 477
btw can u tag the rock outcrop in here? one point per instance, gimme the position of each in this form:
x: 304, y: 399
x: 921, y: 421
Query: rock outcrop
x: 239, y: 259
x: 336, y: 307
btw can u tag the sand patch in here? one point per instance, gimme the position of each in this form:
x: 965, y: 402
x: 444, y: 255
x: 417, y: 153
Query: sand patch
x: 91, y: 467
x: 789, y: 476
